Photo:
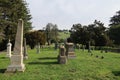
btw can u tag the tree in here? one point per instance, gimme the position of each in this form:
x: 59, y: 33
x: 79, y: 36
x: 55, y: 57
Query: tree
x: 35, y: 37
x: 100, y: 33
x: 54, y: 33
x: 81, y: 34
x: 51, y: 31
x: 115, y: 20
x: 48, y: 32
x: 114, y: 33
x: 10, y: 12
x: 94, y: 34
x: 115, y: 28
x: 76, y: 33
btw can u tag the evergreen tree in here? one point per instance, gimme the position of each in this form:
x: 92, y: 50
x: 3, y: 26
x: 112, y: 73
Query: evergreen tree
x: 10, y: 12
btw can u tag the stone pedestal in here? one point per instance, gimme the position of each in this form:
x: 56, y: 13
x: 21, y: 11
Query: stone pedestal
x: 17, y: 57
x: 70, y: 53
x: 16, y: 64
x: 62, y: 59
x: 9, y: 50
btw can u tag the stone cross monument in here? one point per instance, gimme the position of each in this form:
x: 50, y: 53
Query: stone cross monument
x: 9, y: 49
x: 17, y: 57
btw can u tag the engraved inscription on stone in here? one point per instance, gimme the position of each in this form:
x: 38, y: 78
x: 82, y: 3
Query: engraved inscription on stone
x: 71, y: 49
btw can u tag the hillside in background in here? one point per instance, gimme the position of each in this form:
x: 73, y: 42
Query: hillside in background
x: 64, y: 34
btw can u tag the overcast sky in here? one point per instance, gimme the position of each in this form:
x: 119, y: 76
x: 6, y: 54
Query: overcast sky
x: 65, y: 13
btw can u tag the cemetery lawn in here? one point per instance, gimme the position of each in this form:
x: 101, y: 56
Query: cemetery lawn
x: 44, y: 66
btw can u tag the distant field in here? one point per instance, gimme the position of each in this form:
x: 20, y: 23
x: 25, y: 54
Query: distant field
x: 63, y: 35
x: 44, y: 66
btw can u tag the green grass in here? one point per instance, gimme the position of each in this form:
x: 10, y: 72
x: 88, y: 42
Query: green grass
x: 44, y: 66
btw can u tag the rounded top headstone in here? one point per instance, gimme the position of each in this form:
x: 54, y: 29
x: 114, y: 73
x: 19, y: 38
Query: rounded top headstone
x: 20, y: 19
x: 69, y: 43
x: 62, y: 47
x: 9, y: 44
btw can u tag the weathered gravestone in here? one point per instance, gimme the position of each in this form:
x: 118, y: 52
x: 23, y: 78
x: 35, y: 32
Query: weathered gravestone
x: 62, y: 59
x: 38, y: 48
x: 70, y: 52
x: 17, y: 57
x: 79, y: 46
x: 25, y: 54
x: 83, y: 47
x: 9, y: 49
x: 89, y: 47
x: 56, y: 46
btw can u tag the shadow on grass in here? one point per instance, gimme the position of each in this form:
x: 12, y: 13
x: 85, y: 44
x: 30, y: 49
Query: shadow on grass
x: 116, y: 57
x: 2, y: 70
x: 116, y: 73
x: 44, y: 58
x: 44, y: 63
x: 2, y: 57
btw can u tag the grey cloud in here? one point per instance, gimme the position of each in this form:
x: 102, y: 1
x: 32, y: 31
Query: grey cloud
x: 68, y: 12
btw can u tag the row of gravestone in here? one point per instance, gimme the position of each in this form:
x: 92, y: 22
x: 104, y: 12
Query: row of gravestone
x: 16, y: 59
x: 66, y: 53
x: 25, y: 54
x: 19, y: 52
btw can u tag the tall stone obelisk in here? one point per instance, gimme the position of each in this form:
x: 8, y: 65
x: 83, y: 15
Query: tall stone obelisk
x: 17, y: 57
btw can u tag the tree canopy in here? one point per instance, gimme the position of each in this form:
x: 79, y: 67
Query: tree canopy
x: 114, y: 31
x: 35, y: 37
x: 94, y: 33
x: 10, y: 12
x: 115, y: 19
x: 51, y: 31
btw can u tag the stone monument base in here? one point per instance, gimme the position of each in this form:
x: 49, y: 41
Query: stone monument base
x: 14, y: 68
x: 8, y: 56
x: 62, y: 59
x: 25, y: 57
x: 71, y: 55
x: 16, y: 64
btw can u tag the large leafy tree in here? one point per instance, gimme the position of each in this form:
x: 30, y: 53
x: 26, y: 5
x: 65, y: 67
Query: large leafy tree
x: 35, y: 37
x: 100, y: 36
x: 51, y: 31
x: 114, y: 31
x: 77, y: 31
x: 94, y: 33
x: 54, y: 33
